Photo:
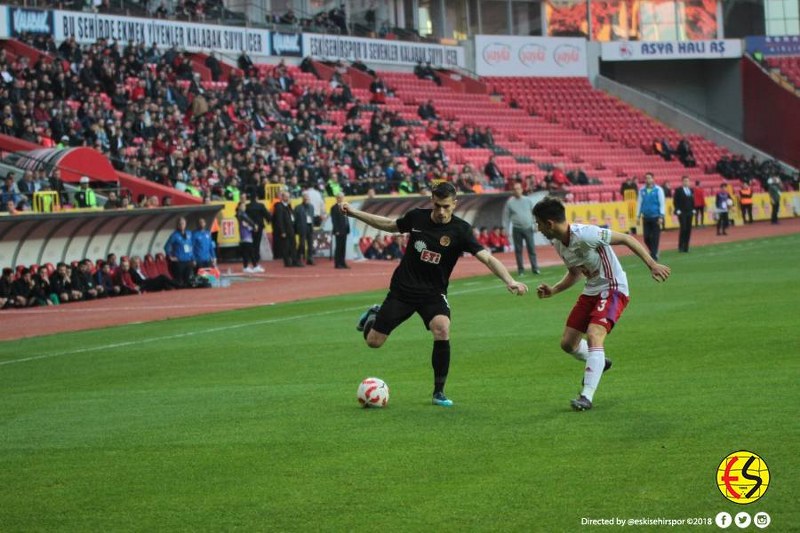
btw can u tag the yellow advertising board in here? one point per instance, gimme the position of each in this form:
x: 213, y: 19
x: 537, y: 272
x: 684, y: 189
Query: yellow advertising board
x: 620, y: 216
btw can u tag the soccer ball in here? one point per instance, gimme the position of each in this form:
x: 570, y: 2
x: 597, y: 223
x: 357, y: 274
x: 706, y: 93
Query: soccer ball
x: 373, y: 392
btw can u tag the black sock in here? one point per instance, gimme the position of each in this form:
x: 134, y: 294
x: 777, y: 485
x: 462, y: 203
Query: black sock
x: 440, y: 360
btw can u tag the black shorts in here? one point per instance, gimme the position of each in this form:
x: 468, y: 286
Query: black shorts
x: 396, y: 310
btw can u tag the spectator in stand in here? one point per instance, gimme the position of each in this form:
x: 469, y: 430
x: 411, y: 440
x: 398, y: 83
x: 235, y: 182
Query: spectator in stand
x: 203, y: 247
x: 180, y: 253
x: 379, y: 90
x: 426, y: 72
x: 650, y: 211
x: 61, y: 284
x: 774, y: 189
x: 214, y: 66
x: 723, y: 204
x: 124, y: 279
x: 746, y: 202
x: 483, y: 237
x: 246, y: 64
x: 375, y: 250
x: 426, y: 111
x: 6, y: 282
x: 85, y: 196
x: 283, y: 229
x: 497, y: 242
x: 145, y: 283
x: 493, y: 173
x: 559, y: 177
x: 42, y: 291
x: 246, y: 246
x: 260, y: 216
x: 289, y: 18
x: 341, y: 228
x: 518, y: 212
x: 83, y: 281
x: 22, y: 293
x: 685, y: 154
x: 683, y: 203
x: 662, y: 148
x: 112, y: 201
x: 699, y: 205
x: 304, y: 228
x: 104, y: 277
x: 9, y: 192
x: 392, y: 247
x: 27, y: 186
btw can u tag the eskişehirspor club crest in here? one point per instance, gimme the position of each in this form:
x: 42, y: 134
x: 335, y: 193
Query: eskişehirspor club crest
x: 445, y: 240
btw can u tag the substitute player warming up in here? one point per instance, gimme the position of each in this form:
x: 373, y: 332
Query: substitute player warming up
x: 586, y: 250
x: 419, y: 283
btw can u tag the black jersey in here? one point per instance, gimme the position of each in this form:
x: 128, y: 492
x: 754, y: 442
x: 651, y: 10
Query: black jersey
x: 432, y: 252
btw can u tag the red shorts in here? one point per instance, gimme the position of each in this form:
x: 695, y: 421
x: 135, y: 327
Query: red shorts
x: 603, y: 309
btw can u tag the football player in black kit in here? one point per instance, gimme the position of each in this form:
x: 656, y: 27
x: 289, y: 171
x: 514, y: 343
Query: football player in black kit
x: 419, y: 284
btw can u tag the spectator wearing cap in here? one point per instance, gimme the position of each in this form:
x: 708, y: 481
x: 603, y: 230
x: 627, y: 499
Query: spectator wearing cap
x: 85, y: 197
x: 64, y: 143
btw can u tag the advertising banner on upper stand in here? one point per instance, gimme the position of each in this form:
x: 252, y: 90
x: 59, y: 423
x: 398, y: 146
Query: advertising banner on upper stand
x: 335, y: 47
x: 87, y: 28
x: 651, y: 50
x: 503, y: 55
x: 286, y: 44
x: 29, y: 21
x: 779, y: 45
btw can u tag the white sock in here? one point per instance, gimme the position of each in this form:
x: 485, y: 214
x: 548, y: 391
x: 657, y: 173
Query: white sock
x: 582, y: 351
x: 593, y: 371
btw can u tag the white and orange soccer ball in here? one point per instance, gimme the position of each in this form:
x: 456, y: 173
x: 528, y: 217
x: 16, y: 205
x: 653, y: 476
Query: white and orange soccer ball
x: 373, y: 392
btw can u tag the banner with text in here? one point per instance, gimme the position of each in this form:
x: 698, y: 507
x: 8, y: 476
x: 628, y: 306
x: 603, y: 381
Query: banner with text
x: 287, y: 44
x: 648, y: 51
x: 501, y: 55
x: 30, y: 21
x: 87, y: 28
x: 779, y: 45
x: 334, y: 47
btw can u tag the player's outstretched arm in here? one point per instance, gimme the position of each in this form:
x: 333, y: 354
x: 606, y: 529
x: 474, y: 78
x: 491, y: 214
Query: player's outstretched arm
x: 376, y: 221
x: 570, y: 278
x: 499, y: 270
x: 658, y: 271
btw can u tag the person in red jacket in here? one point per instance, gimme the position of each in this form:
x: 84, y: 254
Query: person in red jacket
x: 699, y: 205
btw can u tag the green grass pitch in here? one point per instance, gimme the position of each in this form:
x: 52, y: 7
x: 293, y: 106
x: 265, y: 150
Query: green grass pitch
x: 248, y: 420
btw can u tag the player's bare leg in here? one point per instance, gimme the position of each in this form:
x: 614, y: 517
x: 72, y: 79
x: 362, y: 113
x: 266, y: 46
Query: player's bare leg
x: 375, y: 339
x: 440, y: 358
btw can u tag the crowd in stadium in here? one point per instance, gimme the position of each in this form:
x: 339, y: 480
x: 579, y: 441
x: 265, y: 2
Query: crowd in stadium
x: 147, y: 111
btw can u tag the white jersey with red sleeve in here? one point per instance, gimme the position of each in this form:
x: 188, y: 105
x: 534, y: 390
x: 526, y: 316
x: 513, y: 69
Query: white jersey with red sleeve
x: 589, y: 250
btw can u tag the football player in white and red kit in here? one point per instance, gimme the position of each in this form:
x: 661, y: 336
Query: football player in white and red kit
x: 586, y: 250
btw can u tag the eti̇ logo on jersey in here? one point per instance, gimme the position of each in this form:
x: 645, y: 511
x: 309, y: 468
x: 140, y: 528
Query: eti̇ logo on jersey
x: 743, y: 477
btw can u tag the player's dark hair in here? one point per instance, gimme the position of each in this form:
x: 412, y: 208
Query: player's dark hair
x: 444, y: 190
x: 550, y: 208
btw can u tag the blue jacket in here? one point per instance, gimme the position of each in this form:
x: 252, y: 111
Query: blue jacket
x: 180, y: 246
x: 203, y: 246
x: 651, y: 202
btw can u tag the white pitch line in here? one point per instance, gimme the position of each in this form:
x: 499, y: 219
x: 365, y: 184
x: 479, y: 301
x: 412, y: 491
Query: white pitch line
x: 201, y: 332
x: 55, y: 310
